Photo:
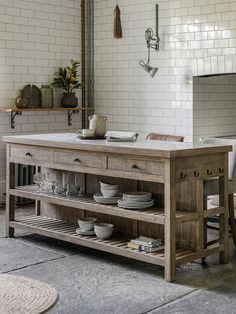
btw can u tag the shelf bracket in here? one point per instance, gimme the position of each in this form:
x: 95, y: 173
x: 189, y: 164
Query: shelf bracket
x: 70, y: 114
x: 13, y: 115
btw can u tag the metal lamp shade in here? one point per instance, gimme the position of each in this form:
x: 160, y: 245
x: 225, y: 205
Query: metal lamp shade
x: 149, y: 69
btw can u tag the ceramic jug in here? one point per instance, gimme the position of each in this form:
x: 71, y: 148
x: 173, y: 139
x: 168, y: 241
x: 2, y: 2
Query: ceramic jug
x: 46, y: 96
x: 98, y: 124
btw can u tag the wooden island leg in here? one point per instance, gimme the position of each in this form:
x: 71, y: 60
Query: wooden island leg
x: 224, y: 226
x: 170, y: 222
x: 201, y: 237
x: 10, y: 200
x: 37, y: 203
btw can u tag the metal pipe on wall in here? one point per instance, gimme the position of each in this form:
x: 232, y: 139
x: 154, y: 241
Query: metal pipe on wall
x: 90, y: 53
x: 83, y: 104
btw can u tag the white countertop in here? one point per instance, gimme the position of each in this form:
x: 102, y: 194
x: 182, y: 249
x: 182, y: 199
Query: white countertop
x: 147, y: 148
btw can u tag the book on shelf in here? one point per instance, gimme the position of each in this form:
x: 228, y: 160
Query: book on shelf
x: 152, y: 249
x: 144, y: 248
x: 133, y: 246
x: 148, y: 242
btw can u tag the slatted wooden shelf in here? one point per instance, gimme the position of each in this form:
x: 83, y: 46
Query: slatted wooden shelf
x: 65, y: 231
x: 153, y: 214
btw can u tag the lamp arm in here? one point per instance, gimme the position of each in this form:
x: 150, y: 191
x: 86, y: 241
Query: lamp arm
x: 149, y: 54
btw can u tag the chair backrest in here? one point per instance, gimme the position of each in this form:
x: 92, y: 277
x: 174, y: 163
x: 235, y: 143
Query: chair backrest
x: 232, y: 155
x: 164, y: 137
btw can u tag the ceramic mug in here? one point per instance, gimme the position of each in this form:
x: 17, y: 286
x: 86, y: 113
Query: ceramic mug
x: 87, y: 133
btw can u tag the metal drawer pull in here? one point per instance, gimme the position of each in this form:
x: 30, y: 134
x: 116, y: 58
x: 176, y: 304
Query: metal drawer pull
x: 28, y: 154
x: 183, y: 175
x: 76, y: 160
x: 221, y: 170
x: 196, y: 174
x: 209, y: 172
x: 134, y: 166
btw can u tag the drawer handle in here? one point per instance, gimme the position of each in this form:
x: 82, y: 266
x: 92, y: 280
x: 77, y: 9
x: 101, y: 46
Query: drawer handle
x: 221, y: 170
x: 209, y: 172
x: 183, y: 175
x: 134, y: 167
x: 76, y: 160
x: 196, y: 174
x: 28, y: 154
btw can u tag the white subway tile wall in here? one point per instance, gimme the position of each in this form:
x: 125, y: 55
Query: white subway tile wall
x: 36, y: 37
x: 214, y: 106
x: 197, y: 37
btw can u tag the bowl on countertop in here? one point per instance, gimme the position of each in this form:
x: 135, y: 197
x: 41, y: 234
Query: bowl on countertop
x: 103, y: 230
x: 87, y: 223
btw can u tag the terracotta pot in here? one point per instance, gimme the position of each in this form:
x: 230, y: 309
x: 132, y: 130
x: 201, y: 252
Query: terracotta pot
x: 69, y: 100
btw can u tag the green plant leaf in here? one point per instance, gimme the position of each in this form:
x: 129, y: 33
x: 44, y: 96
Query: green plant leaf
x: 68, y: 77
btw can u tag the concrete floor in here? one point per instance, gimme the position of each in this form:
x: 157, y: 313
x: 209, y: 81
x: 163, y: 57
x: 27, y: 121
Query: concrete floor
x: 91, y: 282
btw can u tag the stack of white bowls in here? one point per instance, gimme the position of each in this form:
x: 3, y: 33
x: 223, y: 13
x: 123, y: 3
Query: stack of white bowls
x: 89, y: 227
x: 109, y: 190
x: 103, y: 230
x: 86, y: 226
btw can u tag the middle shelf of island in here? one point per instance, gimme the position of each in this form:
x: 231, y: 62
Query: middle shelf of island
x: 154, y: 214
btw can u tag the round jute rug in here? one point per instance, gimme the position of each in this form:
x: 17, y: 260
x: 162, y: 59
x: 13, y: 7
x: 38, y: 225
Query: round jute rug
x: 22, y: 295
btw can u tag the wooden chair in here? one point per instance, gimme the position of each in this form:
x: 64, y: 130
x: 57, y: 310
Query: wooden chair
x: 163, y: 137
x: 211, y: 187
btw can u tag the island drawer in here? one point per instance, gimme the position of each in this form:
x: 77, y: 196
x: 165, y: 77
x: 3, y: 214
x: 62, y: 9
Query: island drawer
x: 79, y: 159
x: 136, y: 166
x: 27, y: 154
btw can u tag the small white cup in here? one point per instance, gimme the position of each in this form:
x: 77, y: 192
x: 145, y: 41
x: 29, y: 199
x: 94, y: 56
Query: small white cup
x: 87, y: 133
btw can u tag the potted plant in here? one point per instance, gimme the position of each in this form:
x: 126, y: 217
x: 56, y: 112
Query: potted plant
x: 67, y: 79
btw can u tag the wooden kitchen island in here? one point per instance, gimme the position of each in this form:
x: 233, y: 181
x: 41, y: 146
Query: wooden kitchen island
x: 173, y: 172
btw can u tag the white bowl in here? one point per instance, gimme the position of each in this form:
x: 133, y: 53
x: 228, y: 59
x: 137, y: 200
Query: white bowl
x: 109, y: 193
x: 87, y: 223
x: 111, y: 187
x: 103, y: 231
x: 108, y: 186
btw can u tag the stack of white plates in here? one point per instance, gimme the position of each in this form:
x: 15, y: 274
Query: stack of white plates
x: 99, y: 198
x: 136, y: 200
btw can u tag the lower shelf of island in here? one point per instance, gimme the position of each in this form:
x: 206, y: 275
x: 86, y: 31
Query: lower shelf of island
x: 65, y: 231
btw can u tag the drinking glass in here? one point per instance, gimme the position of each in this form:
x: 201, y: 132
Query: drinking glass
x: 36, y: 181
x: 39, y: 179
x: 65, y: 183
x: 78, y: 185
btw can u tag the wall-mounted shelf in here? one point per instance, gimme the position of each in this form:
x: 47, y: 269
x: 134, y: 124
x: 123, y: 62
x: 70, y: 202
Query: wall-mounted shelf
x: 14, y: 112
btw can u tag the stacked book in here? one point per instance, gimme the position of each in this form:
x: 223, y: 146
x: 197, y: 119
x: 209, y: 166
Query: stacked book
x: 145, y: 244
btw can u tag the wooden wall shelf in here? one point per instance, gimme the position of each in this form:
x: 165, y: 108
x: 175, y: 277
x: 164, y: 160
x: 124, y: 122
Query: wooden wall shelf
x: 70, y: 112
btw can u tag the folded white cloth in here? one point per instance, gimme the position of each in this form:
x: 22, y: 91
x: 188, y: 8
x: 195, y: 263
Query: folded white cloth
x: 121, y: 135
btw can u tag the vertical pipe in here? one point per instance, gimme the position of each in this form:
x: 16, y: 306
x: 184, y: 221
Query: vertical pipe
x: 83, y: 61
x: 157, y: 20
x: 90, y: 53
x: 157, y: 28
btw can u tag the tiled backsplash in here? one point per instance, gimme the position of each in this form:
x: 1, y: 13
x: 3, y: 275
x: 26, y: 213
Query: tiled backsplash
x: 36, y: 37
x: 214, y: 106
x: 206, y: 32
x: 197, y: 37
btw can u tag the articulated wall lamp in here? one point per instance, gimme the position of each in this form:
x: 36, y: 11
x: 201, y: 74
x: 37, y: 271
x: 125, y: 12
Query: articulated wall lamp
x: 152, y: 42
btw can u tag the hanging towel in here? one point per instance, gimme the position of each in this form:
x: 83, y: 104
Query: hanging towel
x: 117, y: 24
